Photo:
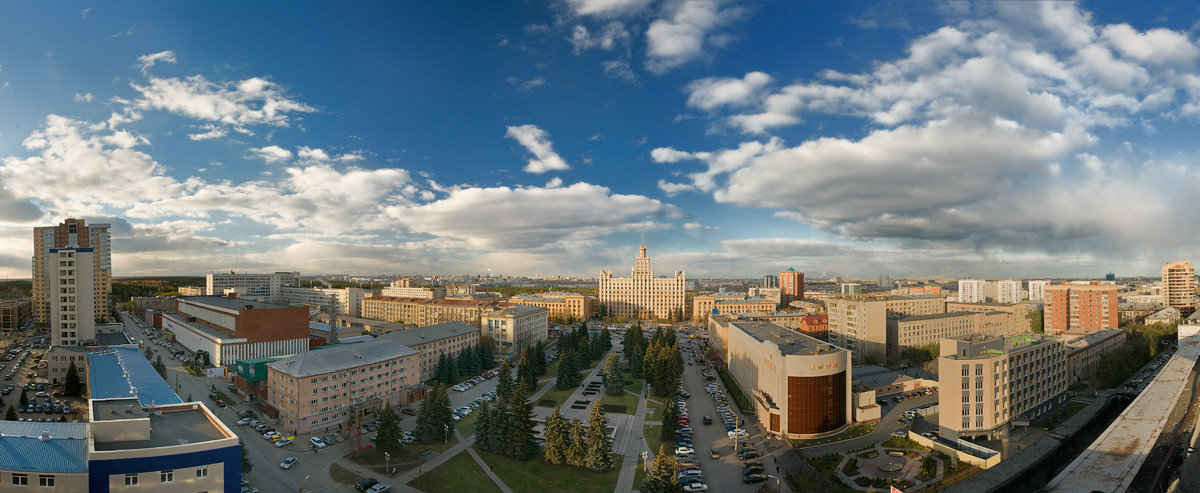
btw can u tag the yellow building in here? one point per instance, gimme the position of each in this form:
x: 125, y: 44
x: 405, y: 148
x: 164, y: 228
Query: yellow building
x: 725, y: 304
x: 641, y: 295
x: 419, y: 311
x: 1180, y: 280
x: 560, y: 306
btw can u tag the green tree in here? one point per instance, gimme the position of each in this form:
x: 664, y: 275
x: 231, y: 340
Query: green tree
x: 1036, y: 323
x: 662, y: 477
x: 442, y: 372
x: 435, y: 417
x: 160, y: 366
x: 605, y: 338
x: 599, y: 452
x: 487, y: 356
x: 487, y: 428
x: 474, y: 365
x: 246, y: 465
x: 72, y: 387
x: 539, y: 358
x: 669, y: 416
x: 11, y: 415
x: 462, y: 363
x: 558, y: 439
x: 635, y: 350
x: 520, y: 439
x: 577, y: 452
x: 527, y: 376
x: 504, y: 383
x: 568, y: 371
x: 388, y: 437
x: 24, y: 398
x: 614, y: 383
x: 922, y: 354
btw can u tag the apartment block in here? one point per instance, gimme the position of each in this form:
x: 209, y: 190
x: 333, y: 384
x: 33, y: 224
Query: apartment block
x: 432, y: 341
x: 404, y: 288
x: 335, y: 387
x: 859, y: 323
x: 267, y: 287
x: 972, y: 290
x: 1084, y: 350
x: 987, y: 383
x: 1080, y: 308
x: 930, y: 329
x: 791, y: 286
x: 515, y: 329
x: 559, y: 305
x: 230, y: 329
x: 1009, y: 291
x: 422, y: 311
x: 191, y: 290
x: 1037, y: 290
x: 1180, y: 281
x: 641, y: 295
x: 14, y: 313
x: 342, y: 301
x: 51, y: 281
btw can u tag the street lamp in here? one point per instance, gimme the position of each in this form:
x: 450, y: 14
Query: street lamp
x: 447, y: 433
x: 387, y: 458
x: 302, y: 483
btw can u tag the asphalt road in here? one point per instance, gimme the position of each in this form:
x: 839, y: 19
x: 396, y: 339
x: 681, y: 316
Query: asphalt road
x: 888, y: 423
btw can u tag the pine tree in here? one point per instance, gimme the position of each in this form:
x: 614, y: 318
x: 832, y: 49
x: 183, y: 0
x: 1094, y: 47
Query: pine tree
x: 635, y: 350
x: 388, y: 437
x: 614, y: 383
x: 452, y: 370
x: 160, y: 366
x: 577, y: 452
x: 461, y: 364
x: 485, y: 428
x: 72, y: 387
x: 599, y: 452
x: 504, y: 383
x: 662, y: 477
x: 520, y: 437
x: 527, y: 371
x: 539, y: 358
x: 475, y: 366
x: 11, y: 415
x: 486, y: 354
x: 442, y: 373
x: 557, y: 439
x: 24, y: 398
x: 434, y: 416
x: 605, y: 338
x: 568, y: 371
x: 669, y: 416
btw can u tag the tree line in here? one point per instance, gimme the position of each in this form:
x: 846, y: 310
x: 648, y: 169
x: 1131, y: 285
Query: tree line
x: 577, y: 349
x: 1143, y: 343
x: 469, y: 361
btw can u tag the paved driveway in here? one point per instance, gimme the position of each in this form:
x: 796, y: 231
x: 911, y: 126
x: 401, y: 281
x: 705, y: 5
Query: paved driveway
x: 887, y: 424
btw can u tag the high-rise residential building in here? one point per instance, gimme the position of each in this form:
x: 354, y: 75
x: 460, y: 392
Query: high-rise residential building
x: 860, y: 323
x: 404, y: 288
x: 972, y: 290
x: 885, y: 281
x: 641, y: 295
x: 342, y: 301
x: 265, y: 287
x: 791, y: 286
x: 770, y: 281
x: 1110, y: 277
x: 851, y: 288
x: 1180, y: 280
x: 986, y: 382
x: 1080, y: 308
x: 84, y: 240
x: 1008, y: 291
x: 1037, y: 290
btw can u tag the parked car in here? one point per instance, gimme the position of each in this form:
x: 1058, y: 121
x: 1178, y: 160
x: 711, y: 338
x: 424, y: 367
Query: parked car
x: 714, y: 454
x: 317, y: 441
x: 365, y: 484
x: 288, y: 463
x: 754, y: 478
x: 283, y: 443
x: 380, y: 488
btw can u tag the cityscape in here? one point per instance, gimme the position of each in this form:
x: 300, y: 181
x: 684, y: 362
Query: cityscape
x: 375, y: 247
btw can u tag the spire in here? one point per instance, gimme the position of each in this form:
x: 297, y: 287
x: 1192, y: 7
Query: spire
x: 642, y: 250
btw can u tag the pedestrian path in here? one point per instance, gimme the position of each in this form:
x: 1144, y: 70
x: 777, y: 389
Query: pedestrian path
x: 634, y: 446
x: 488, y: 469
x: 577, y: 395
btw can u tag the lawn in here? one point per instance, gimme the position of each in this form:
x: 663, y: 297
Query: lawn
x: 460, y: 473
x: 342, y: 475
x: 824, y: 480
x: 554, y: 397
x: 1057, y: 417
x: 465, y: 425
x: 408, y: 454
x: 635, y: 384
x: 654, y: 437
x: 852, y: 432
x: 629, y: 401
x: 537, y: 476
x: 640, y: 474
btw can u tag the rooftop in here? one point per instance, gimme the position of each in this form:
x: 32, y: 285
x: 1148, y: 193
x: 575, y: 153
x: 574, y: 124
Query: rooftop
x: 116, y: 409
x: 986, y: 346
x: 231, y: 303
x: 219, y: 335
x: 789, y: 341
x: 170, y: 427
x: 63, y: 449
x: 111, y: 339
x: 520, y: 310
x: 122, y: 372
x: 491, y: 300
x: 876, y: 376
x: 341, y: 357
x: 1076, y: 340
x: 745, y: 300
x: 429, y: 333
x: 933, y: 316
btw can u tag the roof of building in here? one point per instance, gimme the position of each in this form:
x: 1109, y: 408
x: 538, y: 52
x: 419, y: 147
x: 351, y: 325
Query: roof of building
x: 263, y: 360
x: 122, y: 371
x: 429, y: 333
x: 519, y: 310
x: 789, y: 341
x: 1168, y: 313
x: 1080, y: 340
x: 232, y: 303
x: 62, y: 449
x: 344, y: 319
x: 356, y: 339
x: 111, y: 339
x: 744, y: 301
x: 441, y: 301
x: 934, y: 316
x: 1008, y: 343
x: 341, y: 357
x: 182, y: 319
x: 877, y: 376
x: 171, y: 427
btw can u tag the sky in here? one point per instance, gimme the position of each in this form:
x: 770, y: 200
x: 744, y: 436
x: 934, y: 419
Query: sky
x: 916, y: 139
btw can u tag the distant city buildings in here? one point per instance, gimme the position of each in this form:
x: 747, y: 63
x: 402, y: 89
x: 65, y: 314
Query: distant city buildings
x: 850, y: 288
x: 859, y: 323
x: 423, y: 311
x: 264, y: 287
x: 723, y: 303
x: 342, y: 301
x: 1180, y: 281
x: 641, y: 295
x: 72, y: 279
x: 791, y: 286
x: 770, y: 281
x: 14, y: 313
x: 1009, y: 291
x: 1037, y: 290
x: 514, y: 329
x: 404, y: 288
x: 191, y: 291
x: 1080, y: 308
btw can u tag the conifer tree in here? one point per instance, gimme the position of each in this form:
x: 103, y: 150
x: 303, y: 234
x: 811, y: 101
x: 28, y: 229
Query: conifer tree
x: 463, y: 363
x: 614, y: 383
x: 442, y: 373
x: 599, y: 452
x: 527, y: 371
x: 557, y: 439
x: 504, y: 383
x: 434, y: 416
x: 486, y: 428
x: 669, y: 417
x: 662, y: 477
x: 520, y: 439
x: 72, y: 386
x: 539, y: 358
x: 568, y: 371
x: 577, y: 452
x: 388, y: 438
x: 11, y: 415
x: 635, y: 350
x: 475, y: 366
x: 24, y: 398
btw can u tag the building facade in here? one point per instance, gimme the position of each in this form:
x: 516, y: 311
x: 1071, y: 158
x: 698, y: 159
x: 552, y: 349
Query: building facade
x: 342, y: 301
x: 268, y: 287
x: 972, y: 290
x: 641, y: 295
x: 770, y: 281
x: 1080, y: 308
x: 1180, y: 281
x: 1009, y: 291
x: 1084, y: 350
x: 728, y: 304
x: 421, y: 311
x: 230, y: 329
x: 791, y: 286
x: 333, y: 387
x: 14, y: 313
x: 433, y: 341
x: 191, y: 290
x: 987, y: 382
x: 71, y: 234
x: 515, y: 329
x: 561, y: 306
x: 859, y: 323
x: 922, y: 330
x: 1037, y: 290
x: 1168, y: 315
x: 403, y: 288
x: 71, y: 278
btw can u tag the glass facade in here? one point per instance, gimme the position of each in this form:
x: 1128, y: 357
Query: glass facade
x: 816, y: 404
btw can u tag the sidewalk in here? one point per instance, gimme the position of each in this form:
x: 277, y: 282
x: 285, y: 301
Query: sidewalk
x: 577, y: 395
x: 634, y: 445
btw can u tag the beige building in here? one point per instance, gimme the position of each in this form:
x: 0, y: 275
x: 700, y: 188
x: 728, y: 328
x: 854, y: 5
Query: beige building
x: 859, y: 323
x: 1084, y: 350
x: 14, y: 313
x: 364, y: 325
x: 514, y: 329
x: 1180, y: 281
x: 343, y: 301
x: 267, y: 287
x: 191, y: 291
x: 420, y: 311
x: 727, y: 304
x: 987, y: 382
x: 560, y: 306
x: 404, y: 289
x: 929, y: 329
x: 432, y: 341
x: 318, y: 390
x: 641, y: 295
x: 71, y: 233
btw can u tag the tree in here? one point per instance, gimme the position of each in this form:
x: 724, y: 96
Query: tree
x: 475, y: 366
x: 160, y: 366
x: 520, y: 436
x: 504, y: 383
x: 539, y: 358
x: 488, y: 428
x: 614, y: 383
x: 388, y: 437
x: 442, y: 372
x: 922, y: 354
x: 669, y: 417
x: 568, y: 370
x: 72, y: 387
x: 558, y: 439
x: 662, y: 477
x: 11, y: 415
x: 246, y: 465
x: 605, y: 338
x: 599, y: 453
x: 635, y: 350
x: 462, y: 363
x: 486, y: 355
x: 577, y: 452
x: 527, y: 376
x: 24, y: 398
x: 1036, y: 323
x: 434, y: 418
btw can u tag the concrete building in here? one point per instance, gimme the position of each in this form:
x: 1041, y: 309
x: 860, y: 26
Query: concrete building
x: 972, y: 290
x: 791, y: 286
x: 250, y: 377
x: 77, y: 235
x: 71, y: 277
x: 851, y: 288
x: 14, y: 313
x: 191, y: 290
x: 859, y: 323
x: 921, y: 330
x: 561, y: 306
x: 268, y: 287
x: 230, y: 329
x: 515, y: 329
x: 770, y: 281
x: 885, y: 381
x: 1180, y: 281
x: 800, y: 386
x: 404, y: 288
x: 1036, y: 290
x: 156, y: 303
x: 1084, y: 350
x: 343, y: 301
x: 987, y: 382
x: 791, y: 320
x: 641, y: 295
x: 323, y: 389
x: 1009, y: 291
x: 432, y: 341
x: 774, y: 294
x: 1168, y: 315
x: 365, y: 325
x: 1080, y: 308
x: 724, y: 304
x: 421, y: 311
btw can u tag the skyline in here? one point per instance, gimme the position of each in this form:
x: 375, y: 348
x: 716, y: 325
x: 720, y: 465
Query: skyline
x: 942, y: 140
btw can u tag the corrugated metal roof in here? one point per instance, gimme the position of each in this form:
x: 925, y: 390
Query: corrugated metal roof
x: 429, y: 333
x: 341, y: 357
x: 122, y: 372
x: 22, y: 449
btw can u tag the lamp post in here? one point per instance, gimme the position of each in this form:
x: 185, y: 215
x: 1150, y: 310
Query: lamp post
x: 387, y: 458
x: 302, y: 483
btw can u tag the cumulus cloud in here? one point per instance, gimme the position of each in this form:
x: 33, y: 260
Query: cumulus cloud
x: 147, y: 61
x: 537, y: 142
x: 687, y: 28
x: 253, y: 101
x: 611, y: 36
x: 210, y: 132
x: 715, y: 92
x: 83, y: 98
x: 272, y: 153
x: 607, y: 8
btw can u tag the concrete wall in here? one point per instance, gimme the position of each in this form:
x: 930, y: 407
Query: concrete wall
x: 953, y: 452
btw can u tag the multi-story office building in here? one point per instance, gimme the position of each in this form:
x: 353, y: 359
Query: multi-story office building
x: 71, y: 234
x: 1009, y: 291
x: 727, y: 304
x: 564, y: 307
x: 230, y: 329
x: 191, y: 290
x: 859, y: 323
x: 906, y: 332
x: 972, y: 290
x: 14, y: 313
x: 342, y: 301
x: 1080, y: 308
x: 1084, y: 350
x: 421, y: 311
x: 268, y: 287
x: 333, y: 387
x: 1180, y: 281
x: 1037, y: 290
x: 791, y: 286
x: 515, y: 329
x: 641, y: 295
x: 404, y: 288
x: 987, y: 382
x: 770, y: 281
x: 432, y: 341
x: 800, y: 386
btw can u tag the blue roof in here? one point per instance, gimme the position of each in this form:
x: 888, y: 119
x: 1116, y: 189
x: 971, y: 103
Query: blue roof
x: 21, y: 449
x: 122, y: 372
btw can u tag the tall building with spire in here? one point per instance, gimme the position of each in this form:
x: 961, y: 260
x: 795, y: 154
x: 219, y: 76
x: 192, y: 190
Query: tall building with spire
x: 641, y: 295
x: 72, y: 279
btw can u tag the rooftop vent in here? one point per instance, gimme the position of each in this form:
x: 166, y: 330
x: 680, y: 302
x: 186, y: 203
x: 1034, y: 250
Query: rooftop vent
x: 45, y: 436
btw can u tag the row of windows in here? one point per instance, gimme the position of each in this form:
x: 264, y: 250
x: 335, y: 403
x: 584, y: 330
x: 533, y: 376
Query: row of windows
x: 168, y: 476
x: 44, y: 481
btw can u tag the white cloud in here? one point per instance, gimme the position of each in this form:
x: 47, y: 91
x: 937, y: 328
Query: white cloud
x: 83, y: 98
x: 210, y: 132
x: 670, y: 155
x: 714, y: 92
x: 554, y: 182
x: 699, y: 227
x: 684, y: 32
x: 254, y: 101
x: 1156, y: 46
x: 527, y: 85
x: 537, y: 142
x: 619, y: 69
x: 272, y: 153
x: 147, y: 61
x: 607, y: 8
x: 612, y: 36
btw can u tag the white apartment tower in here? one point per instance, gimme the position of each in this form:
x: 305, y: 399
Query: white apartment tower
x: 1037, y: 290
x: 266, y: 286
x: 1008, y: 291
x: 972, y: 290
x: 72, y: 279
x: 641, y: 295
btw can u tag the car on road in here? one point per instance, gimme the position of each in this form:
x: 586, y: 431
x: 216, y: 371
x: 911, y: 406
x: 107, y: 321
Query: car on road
x: 270, y: 434
x: 288, y: 463
x: 752, y: 470
x: 691, y: 473
x: 244, y: 421
x: 249, y: 489
x: 365, y: 484
x: 380, y: 488
x: 754, y: 478
x: 317, y: 441
x: 738, y: 433
x: 707, y: 420
x: 695, y: 487
x: 750, y: 454
x: 283, y: 443
x: 685, y: 450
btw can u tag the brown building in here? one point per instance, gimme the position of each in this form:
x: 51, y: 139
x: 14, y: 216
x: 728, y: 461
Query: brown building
x: 1179, y: 279
x: 232, y: 329
x: 791, y: 286
x: 432, y: 341
x: 1080, y: 308
x: 564, y: 307
x: 816, y: 326
x: 14, y: 313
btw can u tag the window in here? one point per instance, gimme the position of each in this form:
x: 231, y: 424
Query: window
x: 131, y: 479
x: 20, y: 480
x: 166, y: 476
x: 46, y: 481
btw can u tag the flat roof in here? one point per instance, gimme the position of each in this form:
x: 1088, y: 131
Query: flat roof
x: 64, y: 449
x: 111, y: 339
x: 788, y: 340
x: 877, y: 376
x: 115, y: 409
x: 429, y: 333
x: 122, y: 372
x: 232, y: 303
x: 182, y: 319
x: 170, y: 428
x: 341, y: 357
x: 935, y: 316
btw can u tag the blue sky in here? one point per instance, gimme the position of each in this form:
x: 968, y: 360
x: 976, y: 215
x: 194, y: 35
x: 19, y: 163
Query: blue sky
x: 847, y: 138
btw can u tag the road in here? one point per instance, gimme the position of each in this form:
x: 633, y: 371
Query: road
x: 887, y: 424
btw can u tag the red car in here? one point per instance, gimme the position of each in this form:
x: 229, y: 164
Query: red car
x: 220, y: 403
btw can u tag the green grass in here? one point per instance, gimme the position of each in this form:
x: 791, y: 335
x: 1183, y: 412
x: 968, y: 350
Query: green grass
x: 1057, y: 417
x: 635, y: 385
x: 552, y: 368
x: 905, y: 442
x: 640, y: 474
x: 537, y: 476
x: 460, y: 473
x: 555, y: 395
x: 654, y: 437
x: 225, y: 398
x: 466, y: 425
x: 824, y: 480
x: 407, y: 454
x: 630, y: 401
x: 342, y: 475
x: 855, y: 431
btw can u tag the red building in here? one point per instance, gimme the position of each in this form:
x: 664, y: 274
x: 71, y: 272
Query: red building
x: 1080, y: 308
x: 816, y: 326
x: 791, y: 286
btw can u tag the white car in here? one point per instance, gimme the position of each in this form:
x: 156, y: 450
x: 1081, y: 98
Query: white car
x: 288, y: 463
x: 283, y: 443
x: 244, y: 421
x: 270, y: 434
x: 696, y: 487
x: 685, y: 450
x: 739, y: 433
x: 317, y: 441
x: 380, y: 488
